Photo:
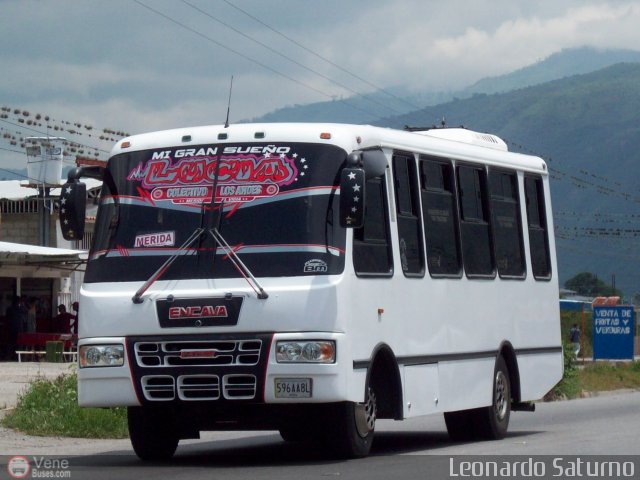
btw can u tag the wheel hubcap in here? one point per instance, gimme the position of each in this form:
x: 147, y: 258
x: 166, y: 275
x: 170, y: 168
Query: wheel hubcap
x: 501, y: 403
x: 366, y: 414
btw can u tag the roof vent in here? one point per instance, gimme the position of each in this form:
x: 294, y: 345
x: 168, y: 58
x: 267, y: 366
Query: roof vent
x: 467, y: 136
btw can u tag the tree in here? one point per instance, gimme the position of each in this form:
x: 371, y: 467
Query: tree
x: 588, y: 284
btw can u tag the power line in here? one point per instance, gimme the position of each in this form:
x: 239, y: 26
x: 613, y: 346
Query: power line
x: 317, y: 55
x: 13, y: 151
x: 273, y: 50
x: 47, y: 134
x: 250, y: 59
x: 584, y: 183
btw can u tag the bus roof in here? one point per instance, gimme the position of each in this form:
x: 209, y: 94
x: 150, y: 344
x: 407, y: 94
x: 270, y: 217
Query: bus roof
x: 458, y: 143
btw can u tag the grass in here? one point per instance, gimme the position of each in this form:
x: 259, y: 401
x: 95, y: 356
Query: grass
x: 594, y: 377
x: 610, y: 376
x: 50, y: 408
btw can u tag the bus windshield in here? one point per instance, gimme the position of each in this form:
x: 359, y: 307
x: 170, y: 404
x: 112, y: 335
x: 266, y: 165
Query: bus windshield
x: 276, y: 205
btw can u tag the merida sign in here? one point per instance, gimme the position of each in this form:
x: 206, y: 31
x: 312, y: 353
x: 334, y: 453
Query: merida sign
x: 613, y: 332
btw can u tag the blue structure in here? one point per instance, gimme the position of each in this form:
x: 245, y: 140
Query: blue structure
x: 613, y: 332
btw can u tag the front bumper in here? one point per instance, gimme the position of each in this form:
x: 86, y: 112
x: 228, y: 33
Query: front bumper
x: 215, y: 369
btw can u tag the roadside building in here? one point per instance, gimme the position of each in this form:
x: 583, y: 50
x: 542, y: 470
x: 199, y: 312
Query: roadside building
x: 42, y: 277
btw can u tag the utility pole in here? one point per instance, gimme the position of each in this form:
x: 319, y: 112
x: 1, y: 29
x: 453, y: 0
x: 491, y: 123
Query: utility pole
x: 44, y: 169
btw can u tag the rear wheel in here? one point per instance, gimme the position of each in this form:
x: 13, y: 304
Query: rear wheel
x: 459, y: 425
x: 294, y: 434
x: 486, y: 423
x: 153, y: 435
x: 492, y: 423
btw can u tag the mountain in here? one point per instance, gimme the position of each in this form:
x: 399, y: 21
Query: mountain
x: 370, y: 107
x: 566, y: 63
x: 364, y: 108
x: 587, y: 128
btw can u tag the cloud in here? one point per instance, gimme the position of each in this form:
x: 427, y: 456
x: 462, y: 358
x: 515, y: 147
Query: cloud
x: 450, y: 45
x: 122, y: 65
x: 519, y: 42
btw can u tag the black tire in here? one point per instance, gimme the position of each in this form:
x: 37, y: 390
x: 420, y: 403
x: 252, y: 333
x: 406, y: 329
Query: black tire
x: 492, y: 423
x: 354, y: 427
x: 294, y: 434
x: 153, y: 435
x: 460, y: 425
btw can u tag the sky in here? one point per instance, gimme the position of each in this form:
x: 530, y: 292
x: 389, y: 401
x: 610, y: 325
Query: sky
x: 142, y: 65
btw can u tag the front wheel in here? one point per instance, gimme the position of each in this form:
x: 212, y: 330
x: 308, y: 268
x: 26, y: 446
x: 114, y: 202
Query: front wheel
x: 153, y: 436
x: 355, y: 427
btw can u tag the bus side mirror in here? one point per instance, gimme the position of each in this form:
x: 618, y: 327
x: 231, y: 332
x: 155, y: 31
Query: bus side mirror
x: 352, y: 182
x: 73, y: 207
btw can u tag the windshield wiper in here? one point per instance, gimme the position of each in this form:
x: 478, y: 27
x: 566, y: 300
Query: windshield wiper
x: 231, y: 254
x: 240, y: 266
x: 137, y: 298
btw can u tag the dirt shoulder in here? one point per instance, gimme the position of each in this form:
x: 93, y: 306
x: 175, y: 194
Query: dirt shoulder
x: 14, y: 380
x: 15, y: 377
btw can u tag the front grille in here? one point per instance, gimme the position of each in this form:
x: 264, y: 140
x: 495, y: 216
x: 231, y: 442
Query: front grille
x: 199, y: 387
x: 163, y: 388
x: 198, y: 353
x: 239, y: 387
x: 215, y: 368
x: 158, y: 387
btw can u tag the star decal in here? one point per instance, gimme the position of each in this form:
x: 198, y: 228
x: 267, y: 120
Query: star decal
x: 352, y: 176
x: 356, y: 188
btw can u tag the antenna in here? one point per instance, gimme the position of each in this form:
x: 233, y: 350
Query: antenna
x: 226, y: 123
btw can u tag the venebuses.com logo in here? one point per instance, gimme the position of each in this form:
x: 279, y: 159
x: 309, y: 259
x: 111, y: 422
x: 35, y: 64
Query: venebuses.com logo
x: 18, y: 467
x: 39, y: 467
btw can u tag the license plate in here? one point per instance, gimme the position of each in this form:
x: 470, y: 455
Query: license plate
x: 293, y: 387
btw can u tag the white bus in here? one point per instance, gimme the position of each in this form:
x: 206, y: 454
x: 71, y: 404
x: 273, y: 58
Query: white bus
x: 313, y: 278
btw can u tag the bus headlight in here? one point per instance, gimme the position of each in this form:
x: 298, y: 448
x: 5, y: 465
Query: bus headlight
x: 313, y: 351
x: 101, y: 356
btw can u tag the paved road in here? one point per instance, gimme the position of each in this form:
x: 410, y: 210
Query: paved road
x: 604, y: 425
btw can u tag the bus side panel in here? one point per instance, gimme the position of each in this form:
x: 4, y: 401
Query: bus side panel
x: 466, y: 384
x: 538, y: 374
x: 356, y: 385
x: 421, y: 390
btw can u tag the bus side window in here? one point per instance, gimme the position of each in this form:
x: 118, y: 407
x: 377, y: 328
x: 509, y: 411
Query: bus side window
x: 537, y: 223
x: 507, y: 224
x: 408, y: 212
x: 372, y: 243
x: 477, y: 251
x: 440, y: 219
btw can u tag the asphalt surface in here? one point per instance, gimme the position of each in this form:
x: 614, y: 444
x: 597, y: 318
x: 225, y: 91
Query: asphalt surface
x: 606, y: 424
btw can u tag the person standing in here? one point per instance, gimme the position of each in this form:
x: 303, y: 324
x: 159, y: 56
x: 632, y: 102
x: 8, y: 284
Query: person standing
x: 62, y: 321
x: 15, y: 325
x: 75, y: 315
x: 574, y: 339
